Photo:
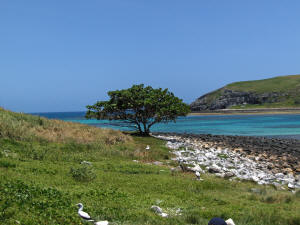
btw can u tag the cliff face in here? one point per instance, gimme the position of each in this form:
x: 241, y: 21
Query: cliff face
x: 226, y: 98
x: 281, y: 91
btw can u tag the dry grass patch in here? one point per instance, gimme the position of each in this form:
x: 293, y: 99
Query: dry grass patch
x: 20, y: 126
x: 60, y: 131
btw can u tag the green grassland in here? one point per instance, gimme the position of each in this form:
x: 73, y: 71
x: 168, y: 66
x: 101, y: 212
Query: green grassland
x: 42, y: 178
x: 276, y: 84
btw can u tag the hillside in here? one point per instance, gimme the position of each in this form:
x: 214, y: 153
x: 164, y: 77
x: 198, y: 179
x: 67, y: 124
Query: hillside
x: 48, y: 166
x: 277, y: 92
x: 21, y: 126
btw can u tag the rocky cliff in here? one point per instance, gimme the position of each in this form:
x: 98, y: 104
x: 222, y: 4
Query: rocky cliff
x: 228, y: 98
x: 275, y: 92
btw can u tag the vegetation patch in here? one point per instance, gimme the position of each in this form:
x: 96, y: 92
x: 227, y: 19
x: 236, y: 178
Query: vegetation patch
x: 83, y: 173
x: 41, y: 181
x: 7, y: 164
x: 19, y: 126
x: 223, y: 156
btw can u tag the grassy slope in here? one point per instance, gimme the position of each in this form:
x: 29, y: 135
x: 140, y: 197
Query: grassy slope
x: 283, y: 84
x: 36, y: 186
x: 276, y: 84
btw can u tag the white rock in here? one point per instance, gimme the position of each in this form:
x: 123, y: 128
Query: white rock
x: 220, y: 175
x: 86, y: 163
x: 156, y: 209
x: 200, y: 154
x: 164, y: 215
x: 255, y: 178
x: 230, y: 222
x: 104, y: 222
x: 228, y: 174
x: 279, y: 175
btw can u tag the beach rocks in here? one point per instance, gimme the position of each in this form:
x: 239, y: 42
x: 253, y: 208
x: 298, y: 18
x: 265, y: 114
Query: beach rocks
x: 207, y: 155
x: 214, y: 169
x: 228, y: 175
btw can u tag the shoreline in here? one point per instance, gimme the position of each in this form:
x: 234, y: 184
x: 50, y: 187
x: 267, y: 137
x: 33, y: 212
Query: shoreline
x: 285, y: 152
x: 254, y: 111
x: 262, y: 160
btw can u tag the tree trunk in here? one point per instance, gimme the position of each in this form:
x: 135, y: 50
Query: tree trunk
x: 145, y: 131
x: 139, y: 128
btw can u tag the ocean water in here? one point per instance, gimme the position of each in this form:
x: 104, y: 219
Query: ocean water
x: 286, y: 125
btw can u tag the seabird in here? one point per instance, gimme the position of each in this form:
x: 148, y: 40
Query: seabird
x: 230, y: 222
x: 105, y: 222
x: 84, y: 215
x: 197, y: 175
x: 147, y: 147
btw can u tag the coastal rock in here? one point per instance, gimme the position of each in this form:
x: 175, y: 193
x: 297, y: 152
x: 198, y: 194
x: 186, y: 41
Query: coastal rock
x: 227, y: 98
x: 204, y: 153
x: 214, y: 169
x: 228, y: 174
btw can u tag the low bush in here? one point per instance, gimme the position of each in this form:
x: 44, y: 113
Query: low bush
x: 83, y: 173
x: 7, y: 164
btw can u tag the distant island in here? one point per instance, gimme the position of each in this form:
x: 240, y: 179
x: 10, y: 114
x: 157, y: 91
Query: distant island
x: 280, y: 93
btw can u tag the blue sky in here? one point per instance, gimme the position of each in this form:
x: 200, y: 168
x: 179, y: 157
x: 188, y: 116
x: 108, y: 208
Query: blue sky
x: 62, y: 55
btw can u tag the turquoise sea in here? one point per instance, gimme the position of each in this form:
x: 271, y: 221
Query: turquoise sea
x: 248, y: 125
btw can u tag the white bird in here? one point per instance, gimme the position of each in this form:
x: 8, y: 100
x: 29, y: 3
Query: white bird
x: 229, y: 222
x: 105, y: 222
x: 197, y: 175
x: 84, y: 215
x: 147, y: 147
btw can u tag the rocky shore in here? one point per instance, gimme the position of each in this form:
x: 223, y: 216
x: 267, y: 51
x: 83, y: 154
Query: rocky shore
x: 263, y: 160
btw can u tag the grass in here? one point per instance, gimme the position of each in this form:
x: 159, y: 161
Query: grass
x: 41, y: 180
x: 19, y: 126
x: 283, y: 104
x: 275, y: 84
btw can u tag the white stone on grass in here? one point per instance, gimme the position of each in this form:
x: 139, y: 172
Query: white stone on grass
x: 201, y: 155
x: 156, y: 209
x: 230, y: 222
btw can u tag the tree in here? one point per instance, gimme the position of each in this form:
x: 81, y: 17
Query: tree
x: 139, y: 107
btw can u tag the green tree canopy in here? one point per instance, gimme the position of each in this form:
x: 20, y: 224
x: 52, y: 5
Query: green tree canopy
x: 140, y: 107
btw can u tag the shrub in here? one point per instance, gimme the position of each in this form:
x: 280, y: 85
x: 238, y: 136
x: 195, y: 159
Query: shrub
x: 84, y: 173
x: 7, y: 164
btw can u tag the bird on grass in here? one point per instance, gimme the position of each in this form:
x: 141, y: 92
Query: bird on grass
x: 105, y: 222
x: 197, y: 175
x: 87, y: 217
x: 83, y: 214
x: 147, y: 147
